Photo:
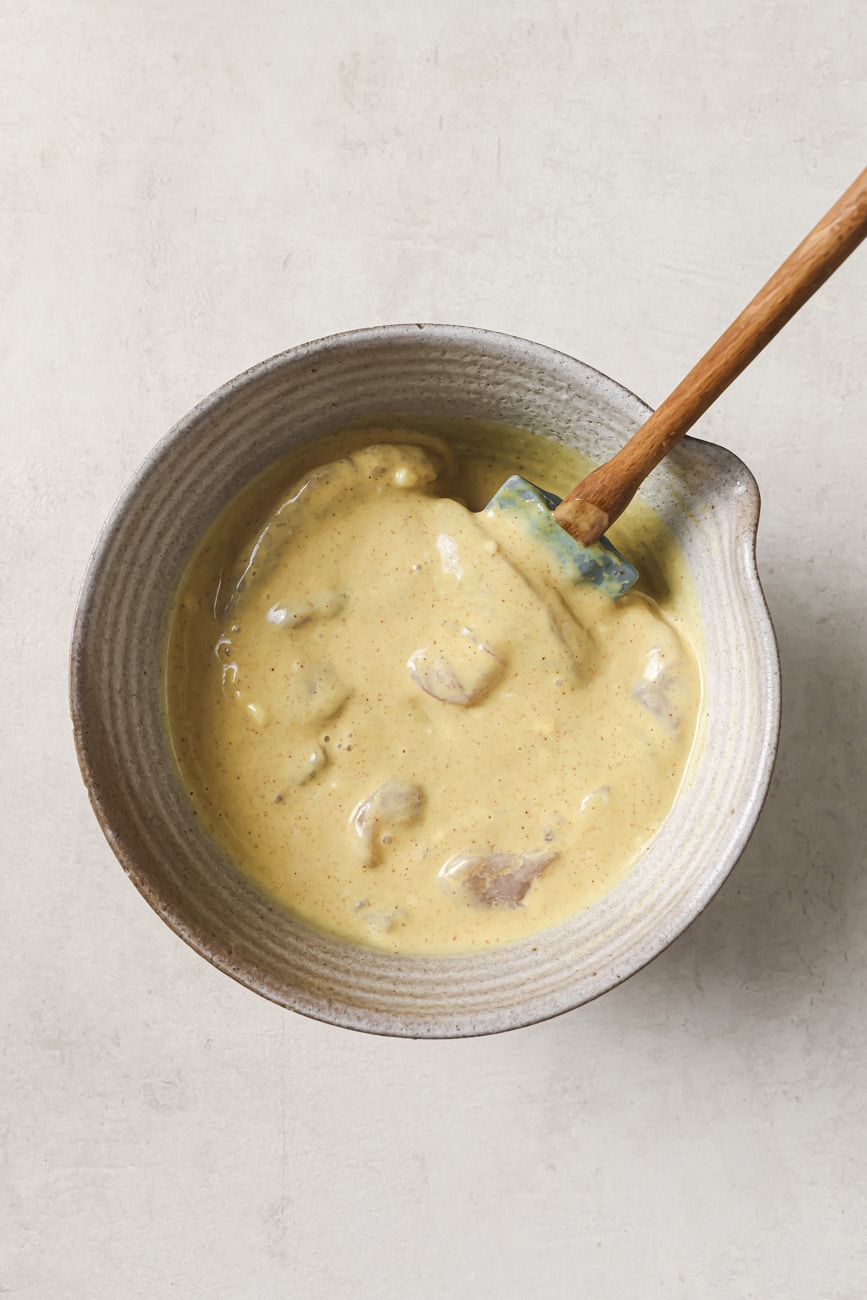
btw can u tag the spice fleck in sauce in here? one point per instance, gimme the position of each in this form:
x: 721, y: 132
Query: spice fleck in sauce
x: 398, y: 716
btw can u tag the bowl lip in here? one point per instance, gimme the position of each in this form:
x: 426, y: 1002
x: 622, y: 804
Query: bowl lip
x: 464, y: 1024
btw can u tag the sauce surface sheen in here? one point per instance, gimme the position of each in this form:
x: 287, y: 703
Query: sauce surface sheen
x: 401, y: 718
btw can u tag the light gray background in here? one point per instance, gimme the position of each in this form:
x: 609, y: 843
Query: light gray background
x: 189, y: 187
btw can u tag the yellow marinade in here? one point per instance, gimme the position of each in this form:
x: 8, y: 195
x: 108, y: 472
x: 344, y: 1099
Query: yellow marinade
x: 400, y: 718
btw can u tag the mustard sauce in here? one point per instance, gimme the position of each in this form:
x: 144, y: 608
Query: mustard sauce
x: 398, y: 716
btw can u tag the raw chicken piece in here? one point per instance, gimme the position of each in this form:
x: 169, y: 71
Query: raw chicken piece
x: 325, y: 605
x: 458, y: 668
x: 380, y: 922
x: 315, y: 694
x: 493, y: 879
x: 654, y: 690
x: 395, y: 803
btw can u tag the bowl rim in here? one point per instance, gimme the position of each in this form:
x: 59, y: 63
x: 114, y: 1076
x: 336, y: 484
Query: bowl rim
x: 389, y: 1024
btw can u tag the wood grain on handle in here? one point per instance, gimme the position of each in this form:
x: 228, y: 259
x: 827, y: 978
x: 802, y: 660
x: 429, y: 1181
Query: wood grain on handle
x: 599, y: 499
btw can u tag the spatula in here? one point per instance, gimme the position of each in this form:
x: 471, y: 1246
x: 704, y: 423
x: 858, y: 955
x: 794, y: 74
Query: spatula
x: 600, y: 498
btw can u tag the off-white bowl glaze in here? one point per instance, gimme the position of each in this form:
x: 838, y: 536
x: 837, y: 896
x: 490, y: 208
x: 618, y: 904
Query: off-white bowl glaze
x: 704, y: 493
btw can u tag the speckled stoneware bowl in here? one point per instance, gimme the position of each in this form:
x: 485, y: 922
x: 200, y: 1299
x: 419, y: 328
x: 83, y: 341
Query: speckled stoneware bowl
x: 705, y: 494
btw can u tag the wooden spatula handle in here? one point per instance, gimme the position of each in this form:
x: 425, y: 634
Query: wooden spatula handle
x: 596, y: 502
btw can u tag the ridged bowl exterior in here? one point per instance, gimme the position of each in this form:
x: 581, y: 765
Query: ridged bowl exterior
x: 705, y: 494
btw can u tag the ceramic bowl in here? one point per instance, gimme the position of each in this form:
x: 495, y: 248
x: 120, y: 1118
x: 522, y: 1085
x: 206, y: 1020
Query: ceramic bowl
x: 704, y: 493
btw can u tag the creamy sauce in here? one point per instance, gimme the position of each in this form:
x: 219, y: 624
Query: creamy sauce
x: 402, y: 719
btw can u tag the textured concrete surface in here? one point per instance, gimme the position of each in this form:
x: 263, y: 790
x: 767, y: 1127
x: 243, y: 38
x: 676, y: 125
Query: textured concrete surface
x: 189, y: 187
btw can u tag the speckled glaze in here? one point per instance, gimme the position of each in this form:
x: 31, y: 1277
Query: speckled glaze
x: 705, y: 494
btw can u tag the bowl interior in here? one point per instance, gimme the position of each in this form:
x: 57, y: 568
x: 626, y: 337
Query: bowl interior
x: 705, y: 495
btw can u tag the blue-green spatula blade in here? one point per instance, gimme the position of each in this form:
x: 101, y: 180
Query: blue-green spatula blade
x: 600, y: 564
